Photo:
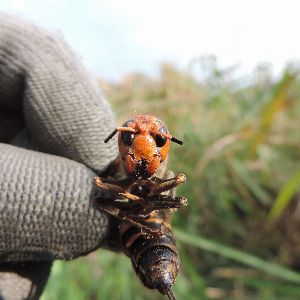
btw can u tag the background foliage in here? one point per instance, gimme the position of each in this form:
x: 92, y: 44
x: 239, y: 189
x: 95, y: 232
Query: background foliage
x: 239, y: 236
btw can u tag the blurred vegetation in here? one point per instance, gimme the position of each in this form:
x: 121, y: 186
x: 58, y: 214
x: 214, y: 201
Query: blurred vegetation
x: 239, y: 237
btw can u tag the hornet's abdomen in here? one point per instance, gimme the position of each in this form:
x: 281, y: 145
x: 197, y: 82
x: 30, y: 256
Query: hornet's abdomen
x: 154, y: 257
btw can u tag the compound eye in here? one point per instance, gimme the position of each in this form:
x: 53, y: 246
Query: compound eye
x: 127, y: 138
x: 159, y: 139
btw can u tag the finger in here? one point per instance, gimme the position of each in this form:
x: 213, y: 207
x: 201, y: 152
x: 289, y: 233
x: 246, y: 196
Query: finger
x: 20, y: 281
x: 46, y: 207
x: 62, y: 107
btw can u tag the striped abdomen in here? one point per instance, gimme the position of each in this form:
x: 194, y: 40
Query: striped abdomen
x: 153, y: 256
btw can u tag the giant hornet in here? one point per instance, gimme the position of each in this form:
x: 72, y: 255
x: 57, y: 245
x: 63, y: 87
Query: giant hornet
x: 141, y: 202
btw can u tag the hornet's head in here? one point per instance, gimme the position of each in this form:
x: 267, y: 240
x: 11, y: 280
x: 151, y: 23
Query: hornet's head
x: 144, y: 143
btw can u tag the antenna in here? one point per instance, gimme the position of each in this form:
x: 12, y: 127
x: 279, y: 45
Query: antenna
x: 128, y: 129
x: 176, y: 141
x: 110, y: 136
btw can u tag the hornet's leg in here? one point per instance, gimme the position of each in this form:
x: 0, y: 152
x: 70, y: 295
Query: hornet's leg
x: 126, y: 217
x: 157, y: 202
x: 117, y: 190
x: 159, y: 185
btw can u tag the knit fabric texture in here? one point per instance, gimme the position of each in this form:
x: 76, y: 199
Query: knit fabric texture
x: 53, y: 121
x: 46, y: 207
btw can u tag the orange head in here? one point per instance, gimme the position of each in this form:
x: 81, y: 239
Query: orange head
x: 144, y: 143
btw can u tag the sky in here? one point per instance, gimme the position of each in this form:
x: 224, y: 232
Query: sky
x: 117, y: 37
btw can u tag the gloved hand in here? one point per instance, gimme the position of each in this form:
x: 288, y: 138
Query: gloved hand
x: 53, y: 121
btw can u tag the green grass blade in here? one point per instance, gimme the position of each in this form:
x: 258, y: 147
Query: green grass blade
x: 251, y: 183
x: 278, y: 102
x: 237, y: 255
x: 284, y: 197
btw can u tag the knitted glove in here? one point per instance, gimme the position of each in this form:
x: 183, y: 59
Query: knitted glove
x: 55, y: 120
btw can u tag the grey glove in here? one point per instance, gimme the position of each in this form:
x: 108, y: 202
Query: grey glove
x: 48, y: 104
